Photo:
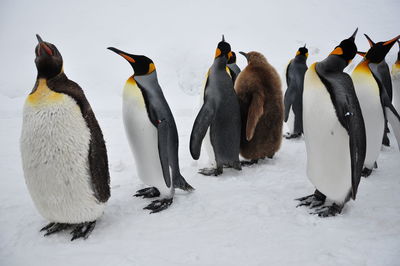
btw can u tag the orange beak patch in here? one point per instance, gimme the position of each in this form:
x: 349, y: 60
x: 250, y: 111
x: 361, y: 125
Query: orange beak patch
x: 130, y: 59
x: 392, y: 40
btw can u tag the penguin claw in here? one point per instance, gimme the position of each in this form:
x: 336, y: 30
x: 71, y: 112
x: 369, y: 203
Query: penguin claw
x: 54, y: 228
x: 366, y: 172
x: 150, y: 192
x: 158, y: 205
x: 83, y: 230
x: 311, y: 201
x: 292, y: 136
x: 328, y: 211
x: 211, y: 171
x: 248, y: 163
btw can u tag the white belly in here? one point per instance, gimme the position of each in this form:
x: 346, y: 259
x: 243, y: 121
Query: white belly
x: 143, y: 138
x: 396, y: 86
x: 54, y: 150
x: 327, y: 142
x: 290, y: 121
x: 367, y: 91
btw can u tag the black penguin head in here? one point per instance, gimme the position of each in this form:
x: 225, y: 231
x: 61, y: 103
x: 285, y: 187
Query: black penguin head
x: 302, y: 51
x: 378, y: 51
x: 347, y: 49
x: 142, y: 65
x: 232, y: 60
x: 223, y: 49
x: 49, y: 62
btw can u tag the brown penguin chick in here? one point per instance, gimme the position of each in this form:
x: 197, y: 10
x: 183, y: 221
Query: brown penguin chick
x: 259, y: 91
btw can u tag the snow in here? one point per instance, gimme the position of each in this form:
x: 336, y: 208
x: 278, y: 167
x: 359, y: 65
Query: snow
x: 241, y: 218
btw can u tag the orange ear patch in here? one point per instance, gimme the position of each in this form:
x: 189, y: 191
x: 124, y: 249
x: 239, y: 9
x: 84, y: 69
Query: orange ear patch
x: 337, y: 51
x: 152, y: 67
x: 217, y: 52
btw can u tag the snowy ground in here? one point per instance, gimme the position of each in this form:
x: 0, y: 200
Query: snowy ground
x: 240, y: 218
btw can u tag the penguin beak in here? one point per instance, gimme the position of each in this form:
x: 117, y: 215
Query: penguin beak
x: 392, y: 41
x: 243, y: 53
x: 223, y: 38
x: 354, y: 34
x: 43, y: 46
x: 123, y: 54
x: 371, y: 42
x: 305, y: 45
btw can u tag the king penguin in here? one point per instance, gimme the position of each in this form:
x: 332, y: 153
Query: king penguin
x: 234, y: 69
x: 293, y: 99
x: 152, y: 134
x: 219, y: 115
x: 381, y: 71
x: 259, y: 90
x: 334, y: 131
x: 64, y: 156
x: 396, y: 81
x: 374, y: 100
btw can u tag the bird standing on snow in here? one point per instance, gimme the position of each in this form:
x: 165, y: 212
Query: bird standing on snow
x: 293, y: 100
x: 219, y: 115
x: 334, y: 131
x: 258, y: 88
x: 152, y: 134
x: 63, y: 152
x: 369, y: 81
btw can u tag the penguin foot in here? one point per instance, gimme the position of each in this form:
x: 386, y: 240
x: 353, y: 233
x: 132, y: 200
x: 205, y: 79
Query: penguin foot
x: 248, y: 163
x: 180, y: 182
x: 292, y: 136
x: 211, y: 171
x: 158, y: 205
x: 328, y: 211
x: 150, y: 192
x: 366, y: 172
x: 82, y: 230
x: 311, y: 201
x: 52, y: 228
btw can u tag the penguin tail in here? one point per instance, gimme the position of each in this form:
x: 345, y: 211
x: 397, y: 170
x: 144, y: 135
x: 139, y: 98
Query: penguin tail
x: 180, y: 182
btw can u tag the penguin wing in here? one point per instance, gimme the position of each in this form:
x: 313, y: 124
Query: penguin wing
x: 200, y: 126
x: 288, y: 99
x: 348, y: 110
x: 163, y: 131
x: 256, y: 110
x: 98, y: 161
x: 389, y: 111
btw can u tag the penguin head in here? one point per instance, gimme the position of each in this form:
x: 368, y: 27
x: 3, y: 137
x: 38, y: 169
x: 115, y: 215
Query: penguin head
x: 347, y: 49
x: 223, y: 49
x: 378, y: 51
x: 302, y: 51
x: 254, y: 57
x: 232, y: 60
x: 142, y: 65
x: 49, y: 62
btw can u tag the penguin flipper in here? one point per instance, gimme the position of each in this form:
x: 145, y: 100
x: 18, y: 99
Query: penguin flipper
x: 287, y: 102
x: 256, y: 110
x: 200, y: 126
x: 162, y: 130
x: 394, y: 120
x: 98, y: 161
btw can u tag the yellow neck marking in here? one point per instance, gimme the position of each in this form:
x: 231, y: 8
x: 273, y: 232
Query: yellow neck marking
x: 132, y: 91
x: 43, y: 95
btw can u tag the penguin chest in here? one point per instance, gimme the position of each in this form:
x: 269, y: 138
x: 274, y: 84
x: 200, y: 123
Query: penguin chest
x: 142, y: 136
x: 367, y: 91
x: 54, y: 149
x: 327, y: 142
